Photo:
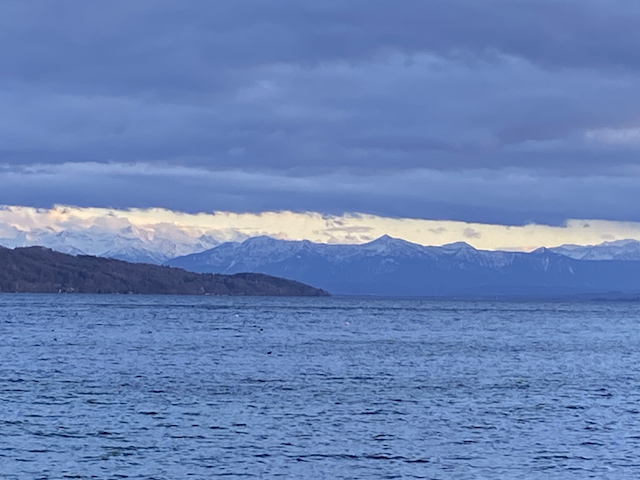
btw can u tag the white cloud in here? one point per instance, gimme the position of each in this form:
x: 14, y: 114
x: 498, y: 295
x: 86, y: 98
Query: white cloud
x: 193, y: 232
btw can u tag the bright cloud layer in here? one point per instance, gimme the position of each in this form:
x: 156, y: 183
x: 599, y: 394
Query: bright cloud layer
x: 186, y: 233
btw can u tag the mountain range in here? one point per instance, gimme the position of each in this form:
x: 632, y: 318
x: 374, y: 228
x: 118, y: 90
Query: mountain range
x: 618, y: 250
x: 386, y: 266
x: 389, y: 266
x: 165, y: 242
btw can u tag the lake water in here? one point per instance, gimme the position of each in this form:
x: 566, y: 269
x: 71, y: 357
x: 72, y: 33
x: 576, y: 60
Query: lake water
x: 198, y: 387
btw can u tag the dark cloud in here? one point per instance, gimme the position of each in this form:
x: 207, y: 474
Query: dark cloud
x: 305, y: 91
x: 87, y: 39
x: 471, y: 233
x: 511, y: 197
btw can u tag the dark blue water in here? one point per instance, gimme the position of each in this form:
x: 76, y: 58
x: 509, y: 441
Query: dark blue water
x: 190, y: 387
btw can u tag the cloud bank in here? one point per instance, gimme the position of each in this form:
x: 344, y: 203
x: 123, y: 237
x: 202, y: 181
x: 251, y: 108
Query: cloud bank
x: 490, y: 111
x: 177, y: 233
x: 511, y: 196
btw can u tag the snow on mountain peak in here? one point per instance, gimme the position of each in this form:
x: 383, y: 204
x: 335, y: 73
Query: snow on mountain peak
x: 384, y: 240
x: 390, y: 246
x: 265, y: 242
x: 620, y: 243
x: 614, y: 250
x: 129, y: 243
x: 260, y: 239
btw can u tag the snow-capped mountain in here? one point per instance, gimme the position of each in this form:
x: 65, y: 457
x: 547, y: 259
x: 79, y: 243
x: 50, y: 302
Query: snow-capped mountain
x: 254, y: 253
x: 618, y: 250
x: 386, y: 266
x: 389, y: 266
x: 131, y: 243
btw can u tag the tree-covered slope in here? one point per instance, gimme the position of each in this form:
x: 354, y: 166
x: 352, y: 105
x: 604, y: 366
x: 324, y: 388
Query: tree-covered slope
x: 39, y: 270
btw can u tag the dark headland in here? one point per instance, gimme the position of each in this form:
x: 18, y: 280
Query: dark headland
x: 40, y: 270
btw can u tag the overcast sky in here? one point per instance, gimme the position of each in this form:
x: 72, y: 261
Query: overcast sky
x: 499, y: 111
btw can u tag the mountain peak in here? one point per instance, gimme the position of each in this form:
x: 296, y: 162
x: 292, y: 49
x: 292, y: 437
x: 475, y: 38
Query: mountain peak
x: 261, y: 240
x: 458, y: 246
x: 543, y: 251
x: 388, y: 242
x: 384, y: 240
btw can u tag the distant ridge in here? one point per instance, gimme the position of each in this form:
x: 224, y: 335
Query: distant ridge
x: 40, y: 270
x: 619, y: 250
x: 388, y: 266
x: 140, y: 245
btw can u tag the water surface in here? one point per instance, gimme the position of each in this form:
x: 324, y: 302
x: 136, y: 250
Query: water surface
x: 198, y: 387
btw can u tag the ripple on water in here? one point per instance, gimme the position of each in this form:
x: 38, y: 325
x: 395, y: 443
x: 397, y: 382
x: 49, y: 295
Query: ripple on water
x: 176, y: 387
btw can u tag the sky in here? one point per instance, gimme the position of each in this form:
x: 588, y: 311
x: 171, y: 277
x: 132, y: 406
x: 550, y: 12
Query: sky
x: 485, y: 112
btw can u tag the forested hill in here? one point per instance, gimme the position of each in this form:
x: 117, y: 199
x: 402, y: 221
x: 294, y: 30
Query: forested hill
x: 40, y: 270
